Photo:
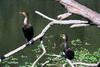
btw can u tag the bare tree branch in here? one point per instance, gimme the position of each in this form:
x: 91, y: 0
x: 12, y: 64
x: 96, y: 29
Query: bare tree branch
x: 44, y: 51
x: 85, y: 64
x: 53, y: 21
x: 79, y: 25
x: 74, y: 7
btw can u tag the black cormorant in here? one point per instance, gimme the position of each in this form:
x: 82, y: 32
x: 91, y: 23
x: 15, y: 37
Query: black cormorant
x: 69, y: 53
x: 27, y: 27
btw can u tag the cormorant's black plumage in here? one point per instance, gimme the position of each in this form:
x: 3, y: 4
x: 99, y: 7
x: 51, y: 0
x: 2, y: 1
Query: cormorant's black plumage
x: 28, y: 32
x: 69, y: 53
x: 27, y: 27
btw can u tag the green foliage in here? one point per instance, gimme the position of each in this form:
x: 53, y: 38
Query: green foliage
x: 76, y: 42
x: 81, y: 55
x: 85, y: 56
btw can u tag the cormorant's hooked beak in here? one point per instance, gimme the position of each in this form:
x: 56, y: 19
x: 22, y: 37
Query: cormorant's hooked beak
x: 22, y: 13
x: 62, y: 36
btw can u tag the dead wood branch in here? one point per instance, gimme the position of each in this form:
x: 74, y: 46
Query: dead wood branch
x: 74, y: 7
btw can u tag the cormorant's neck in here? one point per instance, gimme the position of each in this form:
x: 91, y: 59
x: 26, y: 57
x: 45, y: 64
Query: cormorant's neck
x: 26, y: 20
x: 65, y: 39
x: 66, y: 44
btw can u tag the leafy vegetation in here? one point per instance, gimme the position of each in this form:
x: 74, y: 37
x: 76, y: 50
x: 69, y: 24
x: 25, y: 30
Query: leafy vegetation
x: 82, y: 55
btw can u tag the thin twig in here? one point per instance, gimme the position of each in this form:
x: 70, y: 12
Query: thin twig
x: 54, y: 55
x: 79, y: 25
x: 64, y: 65
x: 44, y: 51
x: 85, y: 64
x: 45, y: 63
x: 70, y: 63
x: 44, y: 16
